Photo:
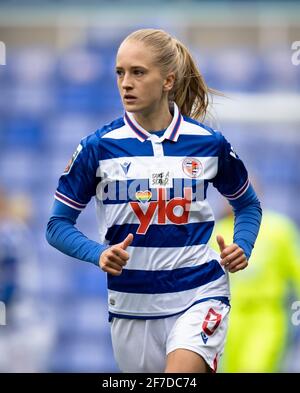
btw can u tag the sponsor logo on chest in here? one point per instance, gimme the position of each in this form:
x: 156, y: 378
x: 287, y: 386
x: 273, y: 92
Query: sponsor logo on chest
x: 176, y: 210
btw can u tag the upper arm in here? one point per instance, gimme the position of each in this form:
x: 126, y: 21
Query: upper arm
x: 77, y: 185
x: 232, y: 177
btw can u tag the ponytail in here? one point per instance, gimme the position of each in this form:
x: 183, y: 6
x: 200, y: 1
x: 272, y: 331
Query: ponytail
x: 190, y: 91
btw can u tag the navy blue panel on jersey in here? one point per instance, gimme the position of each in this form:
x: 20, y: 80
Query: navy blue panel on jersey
x: 117, y: 192
x: 165, y: 281
x: 192, y: 146
x: 127, y: 147
x: 163, y: 235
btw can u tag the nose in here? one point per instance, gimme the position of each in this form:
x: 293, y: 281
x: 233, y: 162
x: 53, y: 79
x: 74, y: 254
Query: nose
x: 127, y: 81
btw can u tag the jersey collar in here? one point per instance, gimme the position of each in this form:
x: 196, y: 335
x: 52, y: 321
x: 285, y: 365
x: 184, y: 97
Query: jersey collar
x: 171, y: 133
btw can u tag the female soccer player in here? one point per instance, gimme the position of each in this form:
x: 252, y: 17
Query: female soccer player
x: 149, y: 171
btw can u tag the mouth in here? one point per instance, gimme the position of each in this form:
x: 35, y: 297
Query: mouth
x: 129, y: 98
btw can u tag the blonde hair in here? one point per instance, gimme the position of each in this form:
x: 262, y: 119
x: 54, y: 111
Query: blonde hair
x: 190, y: 91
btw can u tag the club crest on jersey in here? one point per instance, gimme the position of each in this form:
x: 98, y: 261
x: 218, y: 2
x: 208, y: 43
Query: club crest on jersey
x: 176, y: 210
x: 143, y: 196
x: 72, y: 159
x: 192, y: 167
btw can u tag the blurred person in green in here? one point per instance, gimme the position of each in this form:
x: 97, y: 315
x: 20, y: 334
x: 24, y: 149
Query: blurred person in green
x: 260, y: 320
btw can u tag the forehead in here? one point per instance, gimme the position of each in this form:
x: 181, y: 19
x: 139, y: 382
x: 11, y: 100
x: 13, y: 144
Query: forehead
x: 134, y: 53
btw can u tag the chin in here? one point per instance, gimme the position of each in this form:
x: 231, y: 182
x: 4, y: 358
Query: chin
x: 132, y: 108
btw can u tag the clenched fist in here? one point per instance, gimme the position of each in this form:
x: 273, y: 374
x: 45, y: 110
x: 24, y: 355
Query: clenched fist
x: 115, y: 257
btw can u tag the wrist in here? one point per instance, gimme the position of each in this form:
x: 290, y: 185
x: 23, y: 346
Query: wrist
x: 102, y: 249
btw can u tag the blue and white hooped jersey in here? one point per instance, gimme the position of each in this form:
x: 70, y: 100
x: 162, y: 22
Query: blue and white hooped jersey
x: 155, y: 188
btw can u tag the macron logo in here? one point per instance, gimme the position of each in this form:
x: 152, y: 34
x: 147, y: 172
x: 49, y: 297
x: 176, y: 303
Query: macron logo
x: 204, y: 337
x: 125, y: 166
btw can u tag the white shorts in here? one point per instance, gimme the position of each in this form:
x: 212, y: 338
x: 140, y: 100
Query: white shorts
x: 142, y: 345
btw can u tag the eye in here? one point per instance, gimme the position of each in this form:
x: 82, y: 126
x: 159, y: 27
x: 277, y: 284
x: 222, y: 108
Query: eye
x: 138, y: 72
x: 119, y: 72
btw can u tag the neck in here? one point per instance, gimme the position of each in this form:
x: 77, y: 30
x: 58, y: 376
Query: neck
x: 155, y: 120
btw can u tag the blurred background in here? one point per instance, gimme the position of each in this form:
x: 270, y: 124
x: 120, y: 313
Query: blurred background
x: 57, y: 84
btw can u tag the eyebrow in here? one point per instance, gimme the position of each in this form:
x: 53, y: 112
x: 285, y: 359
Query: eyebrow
x: 132, y: 67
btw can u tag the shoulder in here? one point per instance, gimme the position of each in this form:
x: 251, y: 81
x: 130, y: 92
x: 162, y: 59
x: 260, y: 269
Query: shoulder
x: 110, y: 128
x: 193, y: 127
x: 94, y: 139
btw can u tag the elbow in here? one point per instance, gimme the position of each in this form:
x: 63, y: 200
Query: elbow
x: 49, y: 232
x: 260, y: 208
x: 257, y: 206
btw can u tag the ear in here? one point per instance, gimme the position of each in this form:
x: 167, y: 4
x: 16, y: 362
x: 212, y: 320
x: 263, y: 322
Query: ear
x: 169, y: 82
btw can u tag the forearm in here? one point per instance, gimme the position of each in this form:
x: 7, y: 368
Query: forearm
x: 62, y: 234
x: 248, y: 213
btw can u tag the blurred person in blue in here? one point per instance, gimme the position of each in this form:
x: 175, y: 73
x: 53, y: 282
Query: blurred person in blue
x: 260, y: 330
x: 149, y: 170
x: 27, y: 336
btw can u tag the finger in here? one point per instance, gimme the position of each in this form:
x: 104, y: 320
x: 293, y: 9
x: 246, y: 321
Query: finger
x: 236, y: 262
x: 232, y: 256
x: 113, y: 272
x: 127, y: 241
x: 229, y: 250
x: 239, y: 267
x: 112, y: 265
x: 221, y: 242
x: 119, y: 252
x: 116, y: 259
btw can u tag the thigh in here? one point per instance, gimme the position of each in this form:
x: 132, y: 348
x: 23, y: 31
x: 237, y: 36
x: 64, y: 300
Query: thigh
x: 139, y: 345
x: 200, y: 330
x: 186, y: 361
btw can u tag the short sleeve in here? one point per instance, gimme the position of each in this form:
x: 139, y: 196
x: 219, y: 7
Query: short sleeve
x: 232, y: 177
x: 77, y: 185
